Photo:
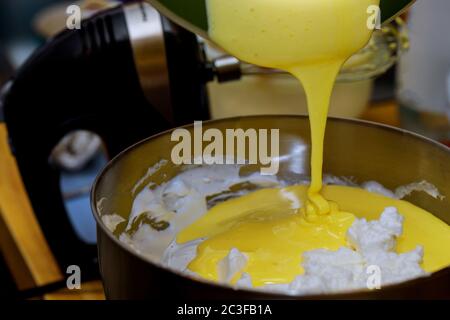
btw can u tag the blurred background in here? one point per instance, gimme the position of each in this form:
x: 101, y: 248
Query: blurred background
x: 402, y: 78
x: 24, y: 26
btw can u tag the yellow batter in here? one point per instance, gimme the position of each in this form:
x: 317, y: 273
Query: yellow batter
x: 267, y: 227
x: 310, y: 39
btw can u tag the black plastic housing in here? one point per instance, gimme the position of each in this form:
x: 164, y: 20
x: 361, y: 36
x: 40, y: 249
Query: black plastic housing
x: 87, y: 79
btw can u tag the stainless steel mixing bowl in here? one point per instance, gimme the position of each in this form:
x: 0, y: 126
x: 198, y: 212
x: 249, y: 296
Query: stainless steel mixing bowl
x: 362, y: 150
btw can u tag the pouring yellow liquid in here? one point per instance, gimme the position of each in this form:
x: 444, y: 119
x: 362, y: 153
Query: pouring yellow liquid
x: 311, y: 39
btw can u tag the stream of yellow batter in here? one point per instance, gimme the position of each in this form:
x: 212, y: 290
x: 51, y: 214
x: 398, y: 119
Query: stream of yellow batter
x: 311, y: 39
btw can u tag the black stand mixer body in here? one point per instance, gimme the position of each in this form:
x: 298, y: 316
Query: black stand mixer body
x: 92, y: 79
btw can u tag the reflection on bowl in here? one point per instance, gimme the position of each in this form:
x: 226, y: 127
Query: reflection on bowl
x: 356, y: 149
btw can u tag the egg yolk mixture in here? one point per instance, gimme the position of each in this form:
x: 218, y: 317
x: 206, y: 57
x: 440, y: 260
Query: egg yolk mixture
x: 311, y: 39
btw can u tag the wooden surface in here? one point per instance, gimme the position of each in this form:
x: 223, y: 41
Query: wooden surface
x: 89, y: 291
x: 21, y: 240
x: 23, y: 244
x: 386, y: 113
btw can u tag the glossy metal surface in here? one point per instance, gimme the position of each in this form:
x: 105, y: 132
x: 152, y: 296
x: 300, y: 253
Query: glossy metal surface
x: 362, y: 150
x: 149, y: 52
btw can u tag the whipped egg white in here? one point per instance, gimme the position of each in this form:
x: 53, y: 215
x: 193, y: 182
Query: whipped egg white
x: 189, y: 196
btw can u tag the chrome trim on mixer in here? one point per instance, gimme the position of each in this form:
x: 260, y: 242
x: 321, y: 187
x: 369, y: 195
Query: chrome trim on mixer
x: 147, y: 40
x: 227, y: 68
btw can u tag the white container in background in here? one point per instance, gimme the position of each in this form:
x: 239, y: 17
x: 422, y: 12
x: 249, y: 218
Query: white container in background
x: 282, y: 94
x: 423, y: 71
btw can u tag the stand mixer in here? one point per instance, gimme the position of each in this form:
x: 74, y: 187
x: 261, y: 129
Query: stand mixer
x: 127, y: 74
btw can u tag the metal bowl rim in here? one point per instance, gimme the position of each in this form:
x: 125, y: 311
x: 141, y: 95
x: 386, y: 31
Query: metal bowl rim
x: 213, y: 284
